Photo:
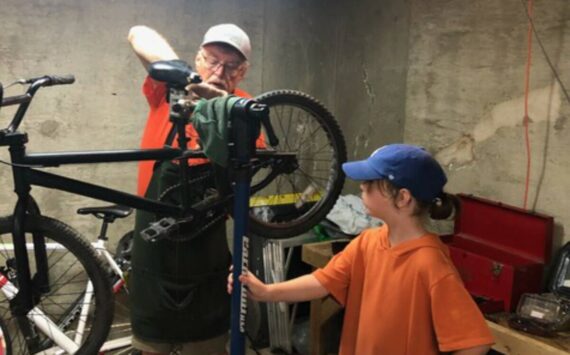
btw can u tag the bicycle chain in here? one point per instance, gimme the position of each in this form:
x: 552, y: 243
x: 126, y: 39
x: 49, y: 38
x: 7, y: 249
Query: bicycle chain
x: 198, y: 178
x: 201, y: 230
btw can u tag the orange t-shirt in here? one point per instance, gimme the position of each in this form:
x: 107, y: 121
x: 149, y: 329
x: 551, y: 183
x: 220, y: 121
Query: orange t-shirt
x: 158, y: 127
x: 407, y: 299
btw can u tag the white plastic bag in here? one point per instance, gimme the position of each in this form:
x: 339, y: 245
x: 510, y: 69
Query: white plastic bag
x: 350, y: 215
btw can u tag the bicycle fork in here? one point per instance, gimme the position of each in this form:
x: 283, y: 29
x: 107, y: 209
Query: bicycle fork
x: 24, y: 300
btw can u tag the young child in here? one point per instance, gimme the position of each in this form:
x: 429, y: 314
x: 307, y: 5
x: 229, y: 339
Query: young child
x: 400, y: 290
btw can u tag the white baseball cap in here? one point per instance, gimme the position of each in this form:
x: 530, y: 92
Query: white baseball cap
x: 230, y: 34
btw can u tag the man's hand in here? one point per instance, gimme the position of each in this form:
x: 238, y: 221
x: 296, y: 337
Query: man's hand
x: 203, y: 91
x: 256, y: 290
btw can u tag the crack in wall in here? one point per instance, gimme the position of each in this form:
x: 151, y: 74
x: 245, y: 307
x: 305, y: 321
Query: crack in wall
x: 367, y: 86
x: 544, y: 104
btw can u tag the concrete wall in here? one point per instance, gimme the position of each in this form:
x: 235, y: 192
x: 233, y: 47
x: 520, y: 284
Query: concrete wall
x: 448, y: 75
x: 465, y: 99
x: 351, y: 56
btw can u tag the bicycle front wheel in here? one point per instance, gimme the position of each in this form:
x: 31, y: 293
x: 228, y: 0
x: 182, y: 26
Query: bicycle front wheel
x: 72, y: 265
x: 288, y: 200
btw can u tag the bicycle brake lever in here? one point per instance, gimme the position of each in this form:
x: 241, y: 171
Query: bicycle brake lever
x: 20, y: 81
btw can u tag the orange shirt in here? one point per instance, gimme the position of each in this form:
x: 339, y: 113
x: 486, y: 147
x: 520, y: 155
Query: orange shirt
x: 158, y: 126
x: 407, y: 299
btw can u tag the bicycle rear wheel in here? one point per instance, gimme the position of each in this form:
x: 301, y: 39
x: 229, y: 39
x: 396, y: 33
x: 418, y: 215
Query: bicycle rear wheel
x: 288, y: 202
x: 72, y: 262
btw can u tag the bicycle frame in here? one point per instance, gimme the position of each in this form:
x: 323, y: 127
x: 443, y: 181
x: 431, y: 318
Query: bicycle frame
x: 25, y: 174
x: 25, y: 177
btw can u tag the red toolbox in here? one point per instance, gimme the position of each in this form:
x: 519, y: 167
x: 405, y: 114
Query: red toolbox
x: 500, y: 251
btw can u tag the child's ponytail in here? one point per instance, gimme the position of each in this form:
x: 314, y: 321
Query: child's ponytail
x: 444, y: 206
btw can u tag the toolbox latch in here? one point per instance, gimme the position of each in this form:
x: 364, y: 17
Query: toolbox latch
x: 496, y: 269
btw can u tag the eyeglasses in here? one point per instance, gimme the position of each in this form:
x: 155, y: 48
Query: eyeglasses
x: 230, y: 68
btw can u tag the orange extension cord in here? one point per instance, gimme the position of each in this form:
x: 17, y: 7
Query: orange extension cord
x: 526, y: 93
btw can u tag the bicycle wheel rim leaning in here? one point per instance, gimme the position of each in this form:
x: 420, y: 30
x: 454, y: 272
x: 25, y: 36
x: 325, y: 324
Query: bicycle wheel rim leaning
x: 297, y: 200
x: 71, y: 263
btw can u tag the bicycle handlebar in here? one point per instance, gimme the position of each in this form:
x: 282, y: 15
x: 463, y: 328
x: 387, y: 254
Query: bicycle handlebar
x: 25, y: 99
x: 51, y: 80
x: 165, y: 70
x: 35, y: 84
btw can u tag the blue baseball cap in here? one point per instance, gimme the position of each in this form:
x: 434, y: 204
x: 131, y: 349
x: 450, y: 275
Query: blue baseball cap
x: 406, y: 166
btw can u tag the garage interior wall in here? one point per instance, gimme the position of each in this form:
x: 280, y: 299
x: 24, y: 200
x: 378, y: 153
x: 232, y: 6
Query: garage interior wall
x: 448, y: 75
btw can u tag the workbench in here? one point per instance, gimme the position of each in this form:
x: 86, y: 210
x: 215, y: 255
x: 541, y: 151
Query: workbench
x: 507, y: 340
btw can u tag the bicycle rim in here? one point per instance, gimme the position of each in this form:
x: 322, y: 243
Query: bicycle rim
x: 296, y: 200
x: 72, y: 262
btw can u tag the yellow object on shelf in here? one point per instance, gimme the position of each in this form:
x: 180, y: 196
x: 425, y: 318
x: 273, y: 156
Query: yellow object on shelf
x: 283, y: 199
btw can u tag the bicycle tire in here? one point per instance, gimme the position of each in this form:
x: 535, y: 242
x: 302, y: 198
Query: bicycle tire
x: 125, y: 247
x: 294, y: 202
x: 70, y: 266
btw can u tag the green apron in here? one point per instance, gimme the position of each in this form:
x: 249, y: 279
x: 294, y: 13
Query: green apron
x: 178, y: 289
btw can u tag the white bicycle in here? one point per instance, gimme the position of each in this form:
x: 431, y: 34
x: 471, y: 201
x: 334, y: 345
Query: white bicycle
x: 119, y: 266
x: 63, y: 318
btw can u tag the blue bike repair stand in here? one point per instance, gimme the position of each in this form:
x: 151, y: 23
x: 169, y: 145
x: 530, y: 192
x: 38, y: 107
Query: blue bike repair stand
x: 244, y: 116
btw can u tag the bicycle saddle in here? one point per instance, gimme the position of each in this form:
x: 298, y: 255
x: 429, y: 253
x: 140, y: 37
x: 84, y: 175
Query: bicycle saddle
x: 114, y: 211
x: 175, y: 73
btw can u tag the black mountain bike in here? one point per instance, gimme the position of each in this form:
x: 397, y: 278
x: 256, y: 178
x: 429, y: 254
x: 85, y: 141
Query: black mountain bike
x: 45, y: 265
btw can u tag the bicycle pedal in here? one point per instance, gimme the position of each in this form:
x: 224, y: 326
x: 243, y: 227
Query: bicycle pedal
x: 159, y: 229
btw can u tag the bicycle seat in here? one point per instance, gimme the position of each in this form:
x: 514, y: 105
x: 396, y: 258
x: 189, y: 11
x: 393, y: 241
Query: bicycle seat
x: 107, y: 212
x: 175, y: 73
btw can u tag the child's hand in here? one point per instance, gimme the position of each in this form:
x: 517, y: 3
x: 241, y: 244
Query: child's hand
x: 256, y: 290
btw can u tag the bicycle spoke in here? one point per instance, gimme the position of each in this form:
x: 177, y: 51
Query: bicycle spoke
x: 280, y: 121
x: 310, y: 136
x: 312, y: 178
x: 78, y: 274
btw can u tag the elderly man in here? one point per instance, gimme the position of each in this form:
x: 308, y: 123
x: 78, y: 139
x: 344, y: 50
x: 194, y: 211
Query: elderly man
x: 178, y: 299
